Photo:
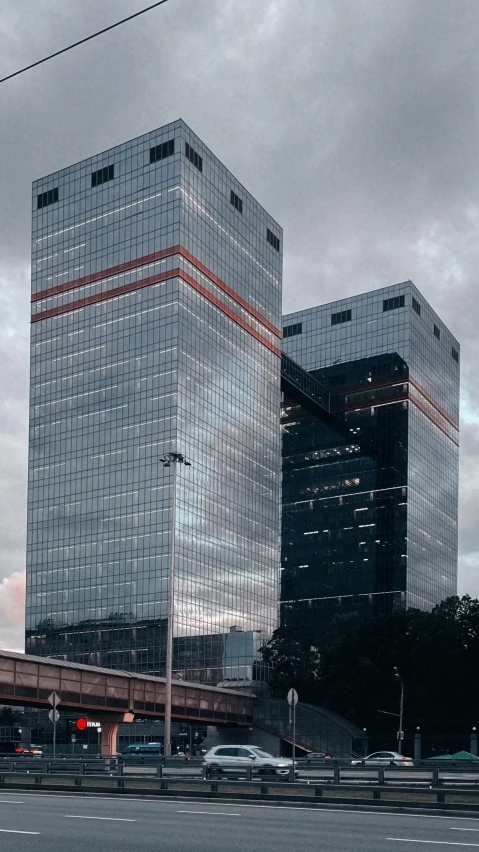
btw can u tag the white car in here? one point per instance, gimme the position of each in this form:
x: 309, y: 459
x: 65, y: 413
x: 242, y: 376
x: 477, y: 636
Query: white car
x: 384, y: 758
x: 232, y: 759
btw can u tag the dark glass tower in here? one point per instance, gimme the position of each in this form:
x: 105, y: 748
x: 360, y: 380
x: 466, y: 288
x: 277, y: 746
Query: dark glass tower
x: 156, y: 299
x: 370, y: 505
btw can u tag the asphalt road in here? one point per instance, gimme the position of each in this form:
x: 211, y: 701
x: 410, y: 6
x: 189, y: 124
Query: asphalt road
x: 58, y: 823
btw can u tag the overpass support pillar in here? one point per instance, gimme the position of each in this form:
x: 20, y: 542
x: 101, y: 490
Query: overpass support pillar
x: 109, y: 730
x: 109, y: 734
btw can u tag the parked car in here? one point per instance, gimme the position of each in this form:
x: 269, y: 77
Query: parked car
x: 315, y: 756
x: 384, y: 758
x: 146, y: 751
x: 33, y: 751
x: 234, y: 758
x: 10, y: 749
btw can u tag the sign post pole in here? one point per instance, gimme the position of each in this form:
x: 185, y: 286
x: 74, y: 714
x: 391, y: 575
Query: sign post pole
x: 54, y: 716
x: 292, y: 699
x: 55, y: 727
x: 294, y: 736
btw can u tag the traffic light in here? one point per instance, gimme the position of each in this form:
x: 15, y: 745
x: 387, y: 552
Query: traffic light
x: 80, y: 724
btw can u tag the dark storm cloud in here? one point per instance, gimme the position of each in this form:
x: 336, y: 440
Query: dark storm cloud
x: 353, y: 121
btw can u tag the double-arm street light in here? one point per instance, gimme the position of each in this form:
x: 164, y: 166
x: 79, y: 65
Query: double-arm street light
x: 401, y: 709
x: 168, y: 460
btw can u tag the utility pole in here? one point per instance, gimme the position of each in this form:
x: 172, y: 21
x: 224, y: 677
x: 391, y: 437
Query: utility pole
x: 167, y: 460
x: 401, y: 710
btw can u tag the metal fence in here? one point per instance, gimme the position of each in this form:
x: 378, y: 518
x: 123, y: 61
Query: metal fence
x: 437, y: 796
x: 333, y: 772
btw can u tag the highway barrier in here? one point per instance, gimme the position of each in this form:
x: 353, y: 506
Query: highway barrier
x: 102, y: 776
x: 422, y: 775
x: 274, y: 790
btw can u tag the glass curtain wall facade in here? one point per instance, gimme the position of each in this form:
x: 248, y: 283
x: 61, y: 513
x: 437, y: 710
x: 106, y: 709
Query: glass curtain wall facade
x: 156, y: 299
x: 372, y: 520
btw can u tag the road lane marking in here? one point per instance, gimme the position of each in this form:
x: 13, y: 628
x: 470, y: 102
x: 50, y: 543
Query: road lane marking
x: 12, y: 831
x: 174, y: 799
x: 464, y: 829
x: 10, y: 802
x: 312, y: 808
x: 437, y: 842
x: 110, y: 819
x: 210, y: 813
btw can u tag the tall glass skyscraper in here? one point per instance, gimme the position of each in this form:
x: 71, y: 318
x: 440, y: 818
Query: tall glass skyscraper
x: 156, y: 305
x: 370, y: 503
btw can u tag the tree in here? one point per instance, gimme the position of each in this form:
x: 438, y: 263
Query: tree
x: 9, y: 717
x: 294, y: 661
x: 464, y: 612
x: 349, y: 666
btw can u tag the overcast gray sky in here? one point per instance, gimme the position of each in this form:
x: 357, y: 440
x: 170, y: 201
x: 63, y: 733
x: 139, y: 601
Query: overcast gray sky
x: 354, y: 122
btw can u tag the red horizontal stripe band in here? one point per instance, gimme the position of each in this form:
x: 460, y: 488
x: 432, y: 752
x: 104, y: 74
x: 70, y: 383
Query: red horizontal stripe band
x: 433, y: 419
x: 244, y: 304
x: 107, y: 294
x: 231, y: 314
x: 385, y: 383
x: 105, y: 273
x: 151, y: 258
x: 147, y: 282
x: 433, y: 402
x: 400, y: 397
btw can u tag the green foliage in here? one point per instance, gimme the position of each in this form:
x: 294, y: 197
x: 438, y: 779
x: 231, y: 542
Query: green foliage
x: 294, y: 660
x: 348, y: 667
x: 9, y: 717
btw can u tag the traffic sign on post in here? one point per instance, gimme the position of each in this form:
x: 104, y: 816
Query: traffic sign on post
x: 292, y: 697
x: 54, y: 716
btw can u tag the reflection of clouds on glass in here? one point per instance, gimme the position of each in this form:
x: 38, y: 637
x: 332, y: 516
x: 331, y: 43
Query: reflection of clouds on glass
x: 165, y: 344
x: 397, y: 386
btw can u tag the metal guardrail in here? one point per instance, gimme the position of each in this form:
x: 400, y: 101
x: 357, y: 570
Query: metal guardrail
x: 274, y: 790
x: 96, y: 762
x: 330, y: 772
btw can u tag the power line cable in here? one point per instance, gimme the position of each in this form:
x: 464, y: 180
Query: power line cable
x: 83, y: 40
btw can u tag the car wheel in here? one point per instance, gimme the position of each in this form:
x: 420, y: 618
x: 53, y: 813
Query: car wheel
x: 268, y: 770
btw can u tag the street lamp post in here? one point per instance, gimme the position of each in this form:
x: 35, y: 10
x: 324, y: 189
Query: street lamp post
x: 401, y: 709
x: 167, y: 460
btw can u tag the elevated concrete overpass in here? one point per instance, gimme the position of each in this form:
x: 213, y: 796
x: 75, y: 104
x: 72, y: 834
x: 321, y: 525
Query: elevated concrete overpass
x: 110, y: 696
